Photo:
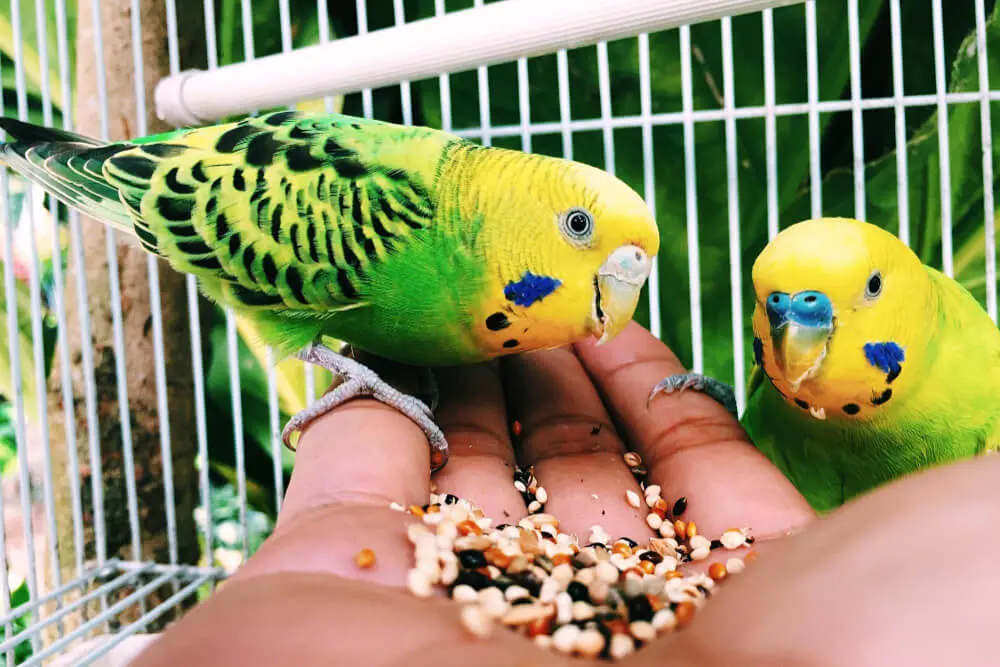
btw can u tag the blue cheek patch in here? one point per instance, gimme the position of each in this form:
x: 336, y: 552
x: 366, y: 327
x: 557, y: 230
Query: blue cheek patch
x: 530, y: 289
x: 886, y: 357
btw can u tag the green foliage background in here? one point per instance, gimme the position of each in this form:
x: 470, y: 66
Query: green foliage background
x: 793, y: 186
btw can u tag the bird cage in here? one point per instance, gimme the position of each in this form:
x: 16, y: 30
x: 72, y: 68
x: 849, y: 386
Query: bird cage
x: 140, y: 425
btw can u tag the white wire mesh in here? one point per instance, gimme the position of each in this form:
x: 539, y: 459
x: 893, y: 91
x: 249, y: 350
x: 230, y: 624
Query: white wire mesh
x: 657, y: 128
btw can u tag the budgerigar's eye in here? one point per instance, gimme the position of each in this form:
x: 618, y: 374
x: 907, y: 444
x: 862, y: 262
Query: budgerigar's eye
x: 874, y: 286
x: 577, y: 224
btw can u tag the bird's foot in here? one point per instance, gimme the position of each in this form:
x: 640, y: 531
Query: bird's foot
x: 359, y: 380
x: 720, y: 391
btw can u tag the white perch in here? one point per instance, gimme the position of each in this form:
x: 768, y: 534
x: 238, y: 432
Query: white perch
x: 463, y: 40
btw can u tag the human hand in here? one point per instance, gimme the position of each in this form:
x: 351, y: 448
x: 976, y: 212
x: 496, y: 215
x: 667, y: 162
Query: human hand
x: 302, y: 600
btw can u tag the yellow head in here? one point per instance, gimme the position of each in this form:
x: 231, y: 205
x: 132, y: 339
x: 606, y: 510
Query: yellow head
x: 836, y: 301
x: 569, y: 248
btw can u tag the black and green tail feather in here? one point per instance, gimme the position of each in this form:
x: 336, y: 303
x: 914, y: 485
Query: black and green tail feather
x: 68, y: 165
x: 285, y: 211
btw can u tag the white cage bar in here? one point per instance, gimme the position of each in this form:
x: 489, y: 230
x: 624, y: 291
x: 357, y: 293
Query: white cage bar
x: 412, y: 52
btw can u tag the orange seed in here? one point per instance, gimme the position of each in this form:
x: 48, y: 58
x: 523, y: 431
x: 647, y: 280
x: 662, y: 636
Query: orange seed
x: 646, y: 566
x: 365, y: 558
x: 717, y: 571
x: 684, y: 612
x: 561, y: 559
x: 680, y: 528
x: 692, y: 529
x: 469, y: 528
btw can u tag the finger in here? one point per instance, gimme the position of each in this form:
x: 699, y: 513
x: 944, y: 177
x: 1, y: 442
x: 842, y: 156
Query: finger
x: 569, y: 438
x: 362, y: 452
x: 473, y: 416
x: 691, y: 445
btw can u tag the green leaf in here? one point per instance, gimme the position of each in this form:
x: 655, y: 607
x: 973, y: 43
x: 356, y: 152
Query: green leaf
x: 924, y: 173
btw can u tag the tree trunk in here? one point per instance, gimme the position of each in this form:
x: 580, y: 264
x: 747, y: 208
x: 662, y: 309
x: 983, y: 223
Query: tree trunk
x: 139, y: 350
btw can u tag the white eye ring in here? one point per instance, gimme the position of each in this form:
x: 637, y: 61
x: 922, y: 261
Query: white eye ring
x: 577, y: 225
x: 874, y: 285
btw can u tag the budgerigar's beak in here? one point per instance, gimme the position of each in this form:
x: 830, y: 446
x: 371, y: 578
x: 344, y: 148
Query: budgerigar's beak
x: 617, y: 286
x: 801, y: 326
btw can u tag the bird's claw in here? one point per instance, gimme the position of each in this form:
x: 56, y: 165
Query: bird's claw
x: 719, y: 391
x: 359, y: 380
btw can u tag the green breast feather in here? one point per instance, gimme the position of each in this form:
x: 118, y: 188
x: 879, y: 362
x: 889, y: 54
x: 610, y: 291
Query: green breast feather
x: 299, y: 221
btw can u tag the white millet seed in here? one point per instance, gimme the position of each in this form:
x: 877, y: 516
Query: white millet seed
x: 419, y: 583
x: 700, y: 553
x: 664, y: 620
x: 516, y: 592
x: 492, y: 601
x: 735, y: 565
x: 564, y: 639
x: 666, y: 529
x: 475, y: 621
x: 654, y: 521
x: 642, y: 630
x: 589, y: 643
x: 534, y: 506
x: 541, y: 495
x: 652, y: 494
x: 465, y: 594
x: 700, y: 542
x: 606, y: 572
x: 582, y: 611
x: 621, y: 645
x: 733, y: 539
x: 564, y: 608
x: 632, y: 497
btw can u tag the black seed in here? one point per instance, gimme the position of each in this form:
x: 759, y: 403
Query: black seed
x: 652, y: 556
x: 497, y: 321
x: 715, y: 544
x: 261, y: 150
x: 209, y: 262
x: 221, y: 226
x: 174, y: 184
x: 294, y: 280
x: 852, y: 408
x: 477, y: 580
x: 632, y: 543
x: 239, y: 182
x: 450, y: 499
x: 545, y: 563
x: 234, y: 244
x: 802, y: 404
x: 528, y: 581
x: 472, y: 559
x: 639, y: 609
x: 882, y: 398
x: 350, y: 168
x: 270, y: 270
x: 134, y: 165
x: 595, y: 430
x: 639, y: 471
x: 300, y: 159
x: 578, y: 591
x: 279, y: 117
x: 679, y: 506
x: 172, y: 208
x: 521, y: 601
x: 893, y: 374
x: 511, y: 343
x: 228, y: 141
x: 345, y: 284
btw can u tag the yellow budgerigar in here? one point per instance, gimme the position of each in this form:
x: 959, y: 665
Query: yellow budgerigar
x: 406, y: 242
x: 869, y: 365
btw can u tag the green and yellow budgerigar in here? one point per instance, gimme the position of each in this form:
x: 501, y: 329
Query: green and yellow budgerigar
x: 406, y: 242
x: 869, y: 365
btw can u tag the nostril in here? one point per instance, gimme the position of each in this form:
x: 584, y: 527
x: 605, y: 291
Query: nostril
x: 810, y: 299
